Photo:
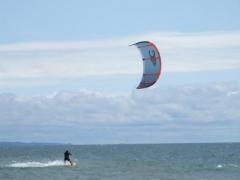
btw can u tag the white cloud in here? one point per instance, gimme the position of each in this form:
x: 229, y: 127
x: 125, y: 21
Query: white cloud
x: 182, y: 104
x: 181, y: 52
x: 170, y: 112
x: 176, y: 113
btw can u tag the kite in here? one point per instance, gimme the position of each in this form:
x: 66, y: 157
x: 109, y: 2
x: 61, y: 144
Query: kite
x: 151, y: 63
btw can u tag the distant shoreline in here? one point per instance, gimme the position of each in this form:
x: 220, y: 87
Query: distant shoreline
x: 2, y: 143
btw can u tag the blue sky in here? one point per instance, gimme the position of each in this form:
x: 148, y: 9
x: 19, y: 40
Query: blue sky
x: 60, y: 20
x: 67, y: 65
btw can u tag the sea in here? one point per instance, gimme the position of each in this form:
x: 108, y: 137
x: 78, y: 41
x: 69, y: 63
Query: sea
x: 204, y: 161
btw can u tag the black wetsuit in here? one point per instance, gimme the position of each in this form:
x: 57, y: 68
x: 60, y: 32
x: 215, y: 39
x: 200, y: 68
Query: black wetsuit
x: 66, y: 156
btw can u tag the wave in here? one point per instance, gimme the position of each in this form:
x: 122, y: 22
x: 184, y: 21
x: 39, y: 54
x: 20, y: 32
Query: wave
x: 221, y: 166
x: 38, y: 164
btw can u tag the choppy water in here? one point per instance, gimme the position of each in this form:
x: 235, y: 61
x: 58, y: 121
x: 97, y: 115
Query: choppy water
x: 121, y: 162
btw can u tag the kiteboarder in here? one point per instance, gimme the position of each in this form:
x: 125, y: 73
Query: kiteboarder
x: 66, y: 157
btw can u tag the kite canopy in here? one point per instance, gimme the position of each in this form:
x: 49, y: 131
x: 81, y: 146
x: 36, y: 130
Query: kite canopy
x: 151, y: 63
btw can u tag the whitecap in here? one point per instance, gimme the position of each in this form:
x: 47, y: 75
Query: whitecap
x: 219, y: 166
x: 37, y: 164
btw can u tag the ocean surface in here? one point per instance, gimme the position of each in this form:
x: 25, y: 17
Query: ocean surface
x: 121, y: 162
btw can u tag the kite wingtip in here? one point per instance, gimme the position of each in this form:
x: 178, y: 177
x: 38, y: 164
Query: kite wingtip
x: 139, y: 87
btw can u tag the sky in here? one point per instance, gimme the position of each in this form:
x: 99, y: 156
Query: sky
x: 68, y: 74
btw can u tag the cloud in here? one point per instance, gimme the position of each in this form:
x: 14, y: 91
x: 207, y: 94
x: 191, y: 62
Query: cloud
x: 175, y: 109
x: 205, y: 103
x: 175, y: 113
x: 181, y: 52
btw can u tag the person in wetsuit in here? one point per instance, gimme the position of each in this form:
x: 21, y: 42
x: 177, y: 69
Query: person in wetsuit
x: 67, y: 158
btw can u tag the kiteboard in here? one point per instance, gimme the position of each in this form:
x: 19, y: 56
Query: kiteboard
x: 71, y: 165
